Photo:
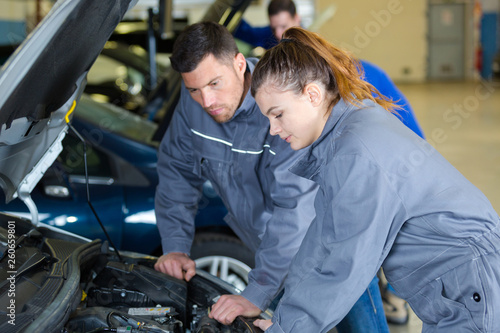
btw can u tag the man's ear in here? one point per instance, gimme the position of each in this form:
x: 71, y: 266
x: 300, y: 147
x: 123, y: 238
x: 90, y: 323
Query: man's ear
x: 240, y: 63
x: 314, y: 94
x: 296, y: 19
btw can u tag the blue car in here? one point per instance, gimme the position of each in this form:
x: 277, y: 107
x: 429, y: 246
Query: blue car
x: 121, y: 153
x: 121, y: 164
x: 53, y: 281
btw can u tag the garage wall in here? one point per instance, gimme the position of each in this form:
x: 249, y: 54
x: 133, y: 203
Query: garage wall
x: 12, y: 22
x: 389, y: 33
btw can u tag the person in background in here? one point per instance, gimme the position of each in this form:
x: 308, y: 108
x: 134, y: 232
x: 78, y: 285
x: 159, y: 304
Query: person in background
x: 282, y: 15
x: 218, y: 134
x: 435, y: 234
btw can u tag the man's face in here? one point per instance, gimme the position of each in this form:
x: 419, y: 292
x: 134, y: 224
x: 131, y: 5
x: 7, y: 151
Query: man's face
x: 218, y: 87
x: 282, y: 21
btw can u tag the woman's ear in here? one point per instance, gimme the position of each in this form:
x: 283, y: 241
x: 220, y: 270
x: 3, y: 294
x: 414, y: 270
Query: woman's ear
x: 314, y: 93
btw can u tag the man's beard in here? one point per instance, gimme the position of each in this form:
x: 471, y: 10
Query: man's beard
x: 222, y: 117
x: 228, y: 110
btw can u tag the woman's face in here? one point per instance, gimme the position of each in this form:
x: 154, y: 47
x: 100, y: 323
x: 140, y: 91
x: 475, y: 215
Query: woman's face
x: 297, y: 119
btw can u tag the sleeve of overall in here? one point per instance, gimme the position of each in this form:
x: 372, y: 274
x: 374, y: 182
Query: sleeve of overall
x: 179, y: 188
x: 381, y: 80
x: 292, y: 198
x: 255, y: 36
x: 342, y: 250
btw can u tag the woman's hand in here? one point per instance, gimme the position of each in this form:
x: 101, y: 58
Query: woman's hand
x: 263, y: 324
x: 228, y: 307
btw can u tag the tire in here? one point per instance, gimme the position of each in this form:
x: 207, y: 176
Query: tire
x: 224, y: 256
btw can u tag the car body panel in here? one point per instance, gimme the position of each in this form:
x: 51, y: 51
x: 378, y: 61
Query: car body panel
x: 33, y: 108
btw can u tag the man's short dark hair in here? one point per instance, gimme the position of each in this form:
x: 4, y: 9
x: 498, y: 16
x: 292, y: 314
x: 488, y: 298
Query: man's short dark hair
x: 198, y: 41
x: 277, y: 6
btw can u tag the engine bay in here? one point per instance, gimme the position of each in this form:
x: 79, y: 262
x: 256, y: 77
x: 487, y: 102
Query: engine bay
x: 61, y: 283
x: 138, y: 297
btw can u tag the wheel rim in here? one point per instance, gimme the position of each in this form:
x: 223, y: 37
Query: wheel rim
x: 228, y: 269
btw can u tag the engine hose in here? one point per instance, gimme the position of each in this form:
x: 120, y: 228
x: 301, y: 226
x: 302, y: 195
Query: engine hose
x: 102, y: 329
x: 208, y: 325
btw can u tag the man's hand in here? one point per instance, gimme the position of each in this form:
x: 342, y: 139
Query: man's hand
x: 263, y: 324
x: 228, y: 307
x: 176, y: 264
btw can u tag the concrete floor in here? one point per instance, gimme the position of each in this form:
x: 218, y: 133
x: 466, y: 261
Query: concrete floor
x: 462, y: 121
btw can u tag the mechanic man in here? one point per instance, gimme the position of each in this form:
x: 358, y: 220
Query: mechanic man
x: 218, y: 133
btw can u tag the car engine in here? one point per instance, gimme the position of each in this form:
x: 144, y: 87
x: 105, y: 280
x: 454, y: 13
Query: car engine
x: 59, y: 282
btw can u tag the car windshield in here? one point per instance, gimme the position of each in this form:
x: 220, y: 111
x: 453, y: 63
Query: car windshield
x: 117, y: 120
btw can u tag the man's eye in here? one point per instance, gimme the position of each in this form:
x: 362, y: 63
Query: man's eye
x: 215, y: 83
x: 279, y: 116
x: 192, y: 91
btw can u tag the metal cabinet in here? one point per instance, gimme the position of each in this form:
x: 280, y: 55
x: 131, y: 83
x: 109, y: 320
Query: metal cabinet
x: 446, y: 40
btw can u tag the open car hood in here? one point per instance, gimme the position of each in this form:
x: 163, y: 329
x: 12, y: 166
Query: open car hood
x: 40, y: 85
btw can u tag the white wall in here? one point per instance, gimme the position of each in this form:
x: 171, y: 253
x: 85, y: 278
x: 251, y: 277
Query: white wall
x: 11, y: 10
x: 389, y: 33
x: 490, y: 6
x: 23, y: 11
x: 12, y: 22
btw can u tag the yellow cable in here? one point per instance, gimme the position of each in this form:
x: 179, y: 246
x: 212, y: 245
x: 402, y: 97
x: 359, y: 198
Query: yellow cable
x: 70, y: 111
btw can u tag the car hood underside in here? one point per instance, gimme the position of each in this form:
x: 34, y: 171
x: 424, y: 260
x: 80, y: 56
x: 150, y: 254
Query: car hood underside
x: 41, y: 83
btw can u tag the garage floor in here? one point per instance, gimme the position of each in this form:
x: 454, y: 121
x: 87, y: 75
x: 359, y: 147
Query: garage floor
x: 462, y: 121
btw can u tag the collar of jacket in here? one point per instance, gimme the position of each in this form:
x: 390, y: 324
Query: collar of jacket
x: 249, y: 105
x: 316, y: 154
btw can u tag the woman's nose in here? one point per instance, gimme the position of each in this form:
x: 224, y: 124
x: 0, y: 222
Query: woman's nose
x: 274, y: 129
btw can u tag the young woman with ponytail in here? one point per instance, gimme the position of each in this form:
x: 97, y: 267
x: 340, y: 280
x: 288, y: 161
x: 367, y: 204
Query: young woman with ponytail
x: 386, y: 198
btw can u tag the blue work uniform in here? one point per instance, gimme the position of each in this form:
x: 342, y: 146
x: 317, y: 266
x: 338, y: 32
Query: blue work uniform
x: 389, y: 198
x: 269, y: 208
x: 255, y: 36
